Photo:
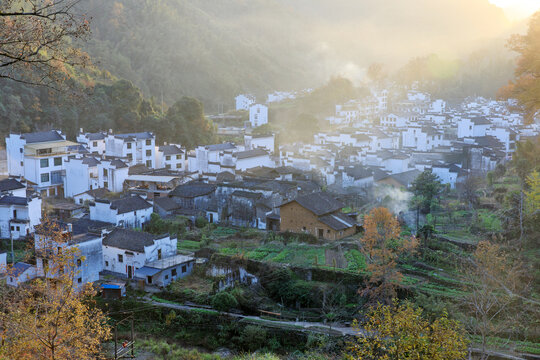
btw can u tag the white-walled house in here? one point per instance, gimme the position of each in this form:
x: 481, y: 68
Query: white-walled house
x: 90, y: 195
x: 81, y: 175
x: 20, y: 273
x: 19, y: 215
x: 473, y: 127
x: 112, y: 173
x: 126, y: 251
x: 137, y: 148
x: 85, y: 247
x: 13, y: 187
x: 421, y: 138
x: 265, y: 141
x: 93, y: 142
x: 128, y: 212
x: 447, y: 173
x: 170, y: 156
x: 258, y: 115
x: 39, y: 157
x: 252, y: 158
x: 244, y: 101
x: 398, y: 120
x: 204, y: 156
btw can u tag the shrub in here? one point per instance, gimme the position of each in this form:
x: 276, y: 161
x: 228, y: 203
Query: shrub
x: 224, y: 301
x: 201, y: 222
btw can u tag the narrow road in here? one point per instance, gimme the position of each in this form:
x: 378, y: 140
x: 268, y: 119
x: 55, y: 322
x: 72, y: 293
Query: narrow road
x: 316, y: 327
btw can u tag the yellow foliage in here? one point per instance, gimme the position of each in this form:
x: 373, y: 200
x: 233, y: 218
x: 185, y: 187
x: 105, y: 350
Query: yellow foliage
x: 400, y: 332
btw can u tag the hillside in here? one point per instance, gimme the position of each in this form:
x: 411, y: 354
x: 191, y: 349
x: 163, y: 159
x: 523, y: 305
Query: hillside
x: 215, y: 49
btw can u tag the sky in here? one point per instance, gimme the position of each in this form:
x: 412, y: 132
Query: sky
x: 517, y: 9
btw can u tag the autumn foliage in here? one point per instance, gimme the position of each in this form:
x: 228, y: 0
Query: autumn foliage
x: 401, y: 332
x: 382, y: 245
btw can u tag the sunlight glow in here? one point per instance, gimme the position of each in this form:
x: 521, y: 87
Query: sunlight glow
x: 517, y: 9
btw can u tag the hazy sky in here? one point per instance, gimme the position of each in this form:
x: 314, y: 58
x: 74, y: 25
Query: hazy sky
x: 517, y: 9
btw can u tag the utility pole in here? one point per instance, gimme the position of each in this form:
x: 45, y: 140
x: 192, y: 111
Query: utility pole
x: 12, y: 253
x: 126, y: 350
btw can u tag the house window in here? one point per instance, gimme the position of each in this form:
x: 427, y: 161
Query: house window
x: 178, y: 157
x: 159, y: 254
x: 57, y: 161
x: 21, y: 150
x: 12, y: 228
x: 168, y: 157
x: 45, y: 177
x: 105, y: 172
x: 43, y: 163
x: 79, y: 280
x: 22, y: 164
x: 94, y: 144
x: 173, y: 272
x: 129, y: 145
x: 79, y: 262
x: 148, y: 163
x: 303, y: 228
x: 178, y: 165
x: 166, y: 277
x: 80, y: 201
x: 148, y: 152
x: 45, y: 263
x: 106, y: 263
x: 14, y: 214
x: 167, y: 166
x: 149, y: 279
x: 120, y: 258
x: 105, y: 184
x: 130, y: 156
x: 184, y: 268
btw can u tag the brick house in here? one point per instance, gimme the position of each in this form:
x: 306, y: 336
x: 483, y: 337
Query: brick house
x: 318, y: 214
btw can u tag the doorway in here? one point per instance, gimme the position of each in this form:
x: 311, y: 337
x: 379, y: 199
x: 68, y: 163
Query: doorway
x: 130, y: 271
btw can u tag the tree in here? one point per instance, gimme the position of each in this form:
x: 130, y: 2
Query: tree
x: 36, y: 40
x: 401, y: 332
x: 526, y: 87
x: 51, y: 317
x: 224, y: 301
x: 494, y: 283
x: 426, y: 189
x: 382, y: 246
x: 187, y: 123
x: 533, y: 195
x: 469, y: 190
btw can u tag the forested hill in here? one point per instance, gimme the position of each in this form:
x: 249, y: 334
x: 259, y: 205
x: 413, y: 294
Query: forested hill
x: 211, y: 50
x: 214, y: 49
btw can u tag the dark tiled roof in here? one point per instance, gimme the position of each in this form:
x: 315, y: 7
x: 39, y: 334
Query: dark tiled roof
x: 192, y: 190
x: 129, y: 239
x: 20, y: 268
x: 319, y: 203
x: 42, y: 136
x: 246, y: 194
x: 337, y: 221
x: 359, y: 172
x: 129, y: 204
x: 10, y: 184
x: 225, y: 176
x: 90, y: 161
x: 166, y: 203
x: 480, y: 120
x: 250, y: 153
x: 13, y: 200
x: 170, y: 150
x: 97, y: 193
x: 117, y: 163
x: 95, y: 136
x: 84, y: 225
x: 407, y: 177
x: 132, y: 136
x: 218, y: 147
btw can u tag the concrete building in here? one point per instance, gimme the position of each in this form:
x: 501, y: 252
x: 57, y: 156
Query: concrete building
x: 93, y: 142
x: 137, y: 148
x: 264, y: 141
x: 164, y: 271
x: 39, y: 158
x: 244, y: 101
x: 170, y: 156
x: 81, y: 175
x: 112, y: 173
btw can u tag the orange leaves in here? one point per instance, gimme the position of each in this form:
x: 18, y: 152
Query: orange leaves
x: 382, y: 245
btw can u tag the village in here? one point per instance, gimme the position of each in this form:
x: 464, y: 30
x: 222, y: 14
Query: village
x: 104, y: 187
